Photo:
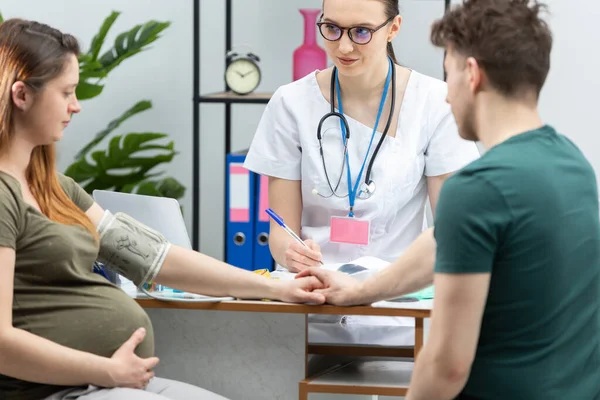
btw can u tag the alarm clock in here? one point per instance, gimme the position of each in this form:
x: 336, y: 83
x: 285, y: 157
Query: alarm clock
x: 242, y: 74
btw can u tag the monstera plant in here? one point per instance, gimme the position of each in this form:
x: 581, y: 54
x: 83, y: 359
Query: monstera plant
x: 128, y: 162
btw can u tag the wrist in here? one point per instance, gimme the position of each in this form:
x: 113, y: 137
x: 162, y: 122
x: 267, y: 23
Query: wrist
x: 274, y: 289
x: 281, y: 243
x: 363, y: 292
x: 102, y: 372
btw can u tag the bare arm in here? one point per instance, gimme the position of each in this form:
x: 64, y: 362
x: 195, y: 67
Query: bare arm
x: 285, y: 197
x: 195, y: 272
x: 434, y: 186
x: 29, y: 357
x: 198, y: 273
x: 443, y: 366
x: 412, y: 271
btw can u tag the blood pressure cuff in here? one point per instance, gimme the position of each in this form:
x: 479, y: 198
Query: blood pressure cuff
x: 131, y: 248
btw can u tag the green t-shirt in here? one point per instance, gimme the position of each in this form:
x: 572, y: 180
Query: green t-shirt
x: 527, y: 212
x: 56, y: 293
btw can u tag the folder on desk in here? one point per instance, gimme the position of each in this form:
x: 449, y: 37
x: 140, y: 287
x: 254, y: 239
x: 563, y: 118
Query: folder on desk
x: 262, y: 252
x: 239, y: 246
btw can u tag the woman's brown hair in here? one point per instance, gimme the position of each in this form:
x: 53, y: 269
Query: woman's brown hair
x: 392, y: 9
x: 34, y: 54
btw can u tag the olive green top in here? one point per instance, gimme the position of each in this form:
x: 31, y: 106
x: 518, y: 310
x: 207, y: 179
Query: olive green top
x: 56, y: 293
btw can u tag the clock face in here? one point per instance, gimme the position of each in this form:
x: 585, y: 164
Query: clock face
x: 242, y: 76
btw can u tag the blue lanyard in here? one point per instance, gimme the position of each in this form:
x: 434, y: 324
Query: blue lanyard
x: 353, y: 190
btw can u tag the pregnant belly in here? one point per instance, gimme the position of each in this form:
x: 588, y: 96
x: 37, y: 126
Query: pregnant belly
x: 97, y: 320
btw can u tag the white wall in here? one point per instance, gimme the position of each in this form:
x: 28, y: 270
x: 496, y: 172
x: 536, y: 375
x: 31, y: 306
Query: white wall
x: 569, y: 100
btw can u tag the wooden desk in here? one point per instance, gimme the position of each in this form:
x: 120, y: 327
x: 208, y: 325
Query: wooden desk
x: 259, y: 349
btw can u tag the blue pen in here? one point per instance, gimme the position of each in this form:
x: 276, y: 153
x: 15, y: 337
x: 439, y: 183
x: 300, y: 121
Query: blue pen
x: 282, y: 224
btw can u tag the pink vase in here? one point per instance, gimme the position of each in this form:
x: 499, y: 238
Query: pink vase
x: 309, y: 56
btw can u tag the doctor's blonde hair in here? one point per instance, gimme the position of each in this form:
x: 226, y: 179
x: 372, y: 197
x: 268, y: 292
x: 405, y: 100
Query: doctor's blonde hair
x: 34, y: 54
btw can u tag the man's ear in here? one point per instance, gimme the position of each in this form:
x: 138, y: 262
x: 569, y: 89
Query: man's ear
x: 475, y: 75
x: 22, y: 96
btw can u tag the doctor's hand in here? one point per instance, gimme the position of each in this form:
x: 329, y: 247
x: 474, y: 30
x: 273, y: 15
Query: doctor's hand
x: 301, y: 290
x: 339, y: 288
x: 298, y: 257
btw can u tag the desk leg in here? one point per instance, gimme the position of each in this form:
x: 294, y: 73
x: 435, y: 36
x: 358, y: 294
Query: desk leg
x: 419, y: 335
x: 302, y: 392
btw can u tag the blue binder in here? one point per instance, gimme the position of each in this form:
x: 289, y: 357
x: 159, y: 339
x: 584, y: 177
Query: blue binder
x: 239, y: 207
x: 262, y: 253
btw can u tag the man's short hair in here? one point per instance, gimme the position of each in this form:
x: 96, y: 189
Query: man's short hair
x: 508, y: 39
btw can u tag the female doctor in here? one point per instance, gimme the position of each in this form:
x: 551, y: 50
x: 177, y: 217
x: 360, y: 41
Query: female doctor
x: 354, y: 151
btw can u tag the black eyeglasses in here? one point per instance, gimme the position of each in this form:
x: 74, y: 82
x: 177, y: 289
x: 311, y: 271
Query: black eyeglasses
x: 358, y: 34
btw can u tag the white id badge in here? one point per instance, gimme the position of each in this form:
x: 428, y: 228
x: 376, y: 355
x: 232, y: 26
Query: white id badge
x: 350, y: 230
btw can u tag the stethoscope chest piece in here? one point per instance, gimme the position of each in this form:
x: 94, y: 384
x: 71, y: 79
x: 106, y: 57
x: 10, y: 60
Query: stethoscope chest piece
x: 365, y: 190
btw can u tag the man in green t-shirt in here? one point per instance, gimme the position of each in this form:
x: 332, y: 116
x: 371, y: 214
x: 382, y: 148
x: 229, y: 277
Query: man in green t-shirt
x: 517, y: 266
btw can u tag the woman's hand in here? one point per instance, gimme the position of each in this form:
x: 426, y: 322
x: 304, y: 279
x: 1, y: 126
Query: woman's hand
x: 339, y: 288
x: 300, y: 291
x: 299, y: 257
x: 127, y: 369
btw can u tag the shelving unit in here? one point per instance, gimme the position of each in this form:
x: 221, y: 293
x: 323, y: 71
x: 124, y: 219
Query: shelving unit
x: 227, y: 98
x: 383, y: 378
x: 230, y: 97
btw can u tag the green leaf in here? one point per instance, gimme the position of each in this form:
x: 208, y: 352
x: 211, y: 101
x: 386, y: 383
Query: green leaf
x: 90, y: 69
x: 87, y: 90
x: 1, y: 18
x: 120, y: 166
x: 166, y: 187
x: 114, y: 124
x: 128, y: 44
x: 98, y: 40
x: 148, y: 188
x: 170, y: 187
x: 129, y: 187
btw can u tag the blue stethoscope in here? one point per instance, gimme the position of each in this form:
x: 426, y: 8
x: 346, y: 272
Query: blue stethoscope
x: 366, y: 188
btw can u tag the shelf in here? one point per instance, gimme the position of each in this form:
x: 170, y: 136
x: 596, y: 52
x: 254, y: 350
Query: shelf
x: 383, y: 378
x: 361, y: 350
x: 230, y: 97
